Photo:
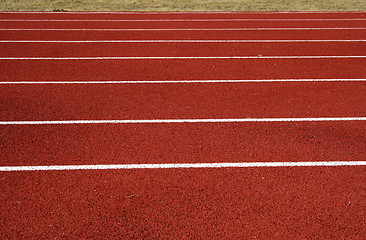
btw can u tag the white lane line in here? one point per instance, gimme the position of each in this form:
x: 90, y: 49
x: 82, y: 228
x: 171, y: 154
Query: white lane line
x: 184, y: 81
x: 175, y: 29
x: 187, y: 20
x: 181, y: 41
x: 224, y: 120
x: 181, y: 12
x: 181, y: 165
x: 161, y: 58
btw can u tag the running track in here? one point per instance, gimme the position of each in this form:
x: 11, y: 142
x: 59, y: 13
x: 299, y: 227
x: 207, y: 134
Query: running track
x: 183, y: 125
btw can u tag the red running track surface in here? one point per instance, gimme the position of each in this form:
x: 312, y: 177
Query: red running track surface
x: 180, y: 143
x: 218, y: 203
x: 196, y: 100
x: 181, y: 49
x: 326, y: 203
x: 75, y: 35
x: 218, y: 23
x: 182, y: 69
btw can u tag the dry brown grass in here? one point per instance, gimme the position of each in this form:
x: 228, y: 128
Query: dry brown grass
x: 183, y: 5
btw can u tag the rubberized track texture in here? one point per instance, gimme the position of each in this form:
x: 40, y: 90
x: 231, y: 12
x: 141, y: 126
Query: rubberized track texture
x: 155, y: 125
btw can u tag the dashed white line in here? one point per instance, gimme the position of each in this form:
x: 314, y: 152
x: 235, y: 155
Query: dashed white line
x: 181, y: 165
x: 153, y: 121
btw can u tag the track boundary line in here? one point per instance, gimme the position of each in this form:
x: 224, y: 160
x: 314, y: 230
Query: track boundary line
x: 180, y: 41
x: 180, y: 12
x: 184, y: 81
x: 179, y: 58
x: 181, y: 165
x: 148, y: 121
x: 173, y: 29
x: 187, y: 20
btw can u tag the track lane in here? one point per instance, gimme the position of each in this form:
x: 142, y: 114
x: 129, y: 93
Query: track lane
x: 89, y: 144
x: 114, y: 34
x: 225, y: 203
x: 181, y: 49
x: 186, y: 69
x: 198, y: 100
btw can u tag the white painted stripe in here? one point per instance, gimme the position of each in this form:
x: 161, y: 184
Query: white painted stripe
x: 175, y: 29
x: 224, y: 120
x: 182, y: 12
x: 187, y: 20
x: 184, y: 81
x: 161, y: 58
x: 181, y: 165
x: 181, y: 41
